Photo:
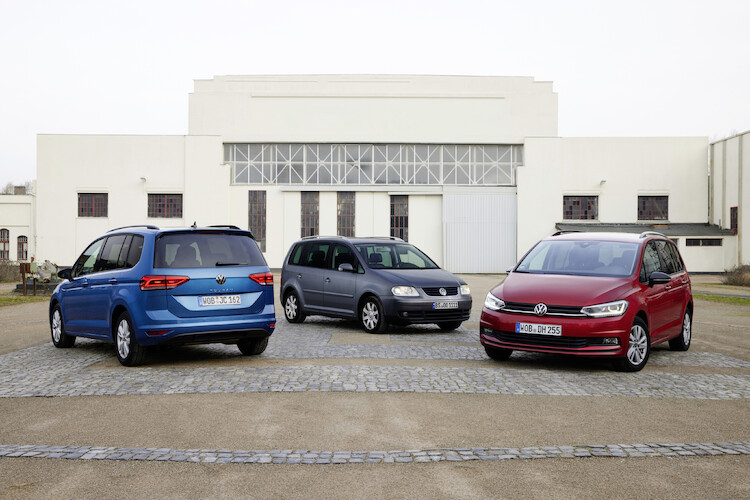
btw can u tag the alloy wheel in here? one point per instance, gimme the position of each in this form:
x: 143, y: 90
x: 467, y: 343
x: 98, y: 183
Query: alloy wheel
x: 638, y: 345
x: 370, y: 315
x: 56, y: 326
x: 123, y: 339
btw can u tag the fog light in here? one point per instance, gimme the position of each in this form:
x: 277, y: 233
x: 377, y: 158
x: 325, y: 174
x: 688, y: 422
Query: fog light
x: 611, y: 341
x: 406, y: 314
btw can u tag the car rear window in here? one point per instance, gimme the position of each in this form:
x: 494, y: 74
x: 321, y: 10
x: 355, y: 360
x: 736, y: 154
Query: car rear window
x: 585, y: 258
x: 206, y: 249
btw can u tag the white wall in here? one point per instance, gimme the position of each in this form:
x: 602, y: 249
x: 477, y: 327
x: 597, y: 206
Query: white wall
x: 373, y: 108
x: 730, y: 187
x: 18, y: 217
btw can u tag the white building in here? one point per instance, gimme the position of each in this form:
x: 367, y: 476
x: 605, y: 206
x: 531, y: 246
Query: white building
x: 469, y: 169
x: 17, y: 227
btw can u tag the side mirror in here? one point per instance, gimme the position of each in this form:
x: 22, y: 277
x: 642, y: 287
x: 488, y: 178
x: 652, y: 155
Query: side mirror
x: 66, y: 274
x: 657, y: 278
x: 346, y: 267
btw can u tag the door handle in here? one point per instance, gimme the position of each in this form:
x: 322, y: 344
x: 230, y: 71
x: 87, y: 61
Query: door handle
x: 299, y: 276
x: 668, y: 287
x: 113, y: 281
x: 85, y: 282
x: 328, y: 280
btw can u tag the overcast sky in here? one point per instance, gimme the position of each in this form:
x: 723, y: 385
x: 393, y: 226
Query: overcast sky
x: 635, y: 68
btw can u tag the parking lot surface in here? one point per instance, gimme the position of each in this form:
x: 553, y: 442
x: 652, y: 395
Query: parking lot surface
x: 329, y: 410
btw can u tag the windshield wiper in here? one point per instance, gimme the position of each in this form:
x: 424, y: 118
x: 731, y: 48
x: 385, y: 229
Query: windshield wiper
x: 220, y: 264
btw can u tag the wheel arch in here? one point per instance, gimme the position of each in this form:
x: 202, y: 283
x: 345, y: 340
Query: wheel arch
x: 116, y: 312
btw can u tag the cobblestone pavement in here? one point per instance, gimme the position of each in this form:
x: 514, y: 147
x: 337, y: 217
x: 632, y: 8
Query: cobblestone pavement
x: 353, y: 457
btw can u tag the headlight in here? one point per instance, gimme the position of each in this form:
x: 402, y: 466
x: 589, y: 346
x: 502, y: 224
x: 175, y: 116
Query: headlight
x: 404, y: 291
x: 493, y: 303
x: 607, y: 310
x: 465, y: 290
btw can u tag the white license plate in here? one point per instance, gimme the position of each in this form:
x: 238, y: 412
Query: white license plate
x: 537, y: 329
x: 220, y: 300
x: 445, y: 305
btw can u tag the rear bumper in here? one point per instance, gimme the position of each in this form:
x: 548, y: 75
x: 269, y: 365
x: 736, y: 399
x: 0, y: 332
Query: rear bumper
x: 205, y: 330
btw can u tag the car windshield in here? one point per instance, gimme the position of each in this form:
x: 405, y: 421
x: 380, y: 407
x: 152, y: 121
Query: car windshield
x: 206, y: 249
x: 584, y: 258
x: 394, y: 256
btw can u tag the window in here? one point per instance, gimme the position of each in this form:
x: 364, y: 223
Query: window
x: 256, y: 213
x: 92, y: 204
x: 206, y: 249
x: 342, y: 254
x: 581, y: 207
x: 400, y: 217
x: 310, y: 209
x: 651, y: 262
x: 653, y: 207
x: 4, y: 244
x: 703, y: 242
x: 85, y: 263
x: 345, y: 211
x: 165, y: 205
x: 733, y: 220
x: 23, y: 248
x: 311, y: 254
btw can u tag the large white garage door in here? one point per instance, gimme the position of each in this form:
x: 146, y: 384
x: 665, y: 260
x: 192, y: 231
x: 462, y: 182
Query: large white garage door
x: 480, y: 232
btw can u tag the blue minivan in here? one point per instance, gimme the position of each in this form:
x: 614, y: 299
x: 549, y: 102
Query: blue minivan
x: 141, y: 286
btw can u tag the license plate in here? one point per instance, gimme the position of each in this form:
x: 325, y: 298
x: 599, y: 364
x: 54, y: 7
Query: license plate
x: 537, y: 329
x: 445, y: 305
x: 220, y: 300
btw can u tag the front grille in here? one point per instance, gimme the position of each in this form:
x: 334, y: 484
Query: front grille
x: 435, y: 316
x: 522, y: 308
x: 435, y: 291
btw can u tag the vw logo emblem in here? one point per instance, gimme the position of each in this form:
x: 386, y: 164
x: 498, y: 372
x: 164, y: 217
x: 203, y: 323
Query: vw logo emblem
x: 442, y: 291
x: 540, y: 309
x: 220, y: 279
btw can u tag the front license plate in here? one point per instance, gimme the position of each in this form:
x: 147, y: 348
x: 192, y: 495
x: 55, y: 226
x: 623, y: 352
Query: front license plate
x: 537, y: 329
x: 220, y: 300
x: 445, y: 305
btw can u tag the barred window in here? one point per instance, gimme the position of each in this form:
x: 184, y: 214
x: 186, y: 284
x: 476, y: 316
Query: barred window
x: 92, y: 204
x: 345, y: 211
x: 733, y: 220
x: 653, y: 207
x: 703, y: 242
x: 310, y: 209
x: 400, y: 217
x: 256, y: 208
x: 165, y: 205
x: 581, y: 207
x: 23, y: 248
x: 4, y: 244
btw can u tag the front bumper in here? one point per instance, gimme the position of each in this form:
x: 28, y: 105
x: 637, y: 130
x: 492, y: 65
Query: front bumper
x: 580, y: 336
x: 419, y: 310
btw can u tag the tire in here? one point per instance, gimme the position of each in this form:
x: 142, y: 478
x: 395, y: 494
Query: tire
x: 682, y: 341
x: 498, y: 353
x: 449, y: 325
x: 57, y: 329
x: 293, y: 309
x: 639, y: 348
x: 251, y: 347
x: 129, y: 351
x: 371, y: 315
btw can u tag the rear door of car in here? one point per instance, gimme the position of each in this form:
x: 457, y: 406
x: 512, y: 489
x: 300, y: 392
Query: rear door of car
x: 341, y: 286
x: 312, y: 273
x: 212, y: 273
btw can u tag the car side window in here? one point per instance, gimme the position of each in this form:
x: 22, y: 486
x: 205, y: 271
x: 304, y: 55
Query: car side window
x: 110, y: 253
x: 342, y: 254
x: 86, y: 262
x: 679, y: 265
x: 317, y: 254
x: 651, y: 262
x: 669, y: 265
x: 295, y: 258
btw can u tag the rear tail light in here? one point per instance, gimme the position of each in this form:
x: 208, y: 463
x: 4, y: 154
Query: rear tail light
x: 162, y: 282
x: 262, y: 278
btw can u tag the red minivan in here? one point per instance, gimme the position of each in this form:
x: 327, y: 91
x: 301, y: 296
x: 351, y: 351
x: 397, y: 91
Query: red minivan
x: 592, y: 294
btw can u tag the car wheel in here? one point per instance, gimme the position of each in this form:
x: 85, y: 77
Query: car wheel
x: 639, y: 348
x: 292, y: 308
x: 682, y: 341
x: 449, y: 325
x: 129, y: 351
x: 59, y: 337
x: 251, y: 347
x: 371, y: 315
x: 498, y: 353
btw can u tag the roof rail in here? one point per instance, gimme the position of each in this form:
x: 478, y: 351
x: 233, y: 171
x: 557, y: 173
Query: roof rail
x: 393, y: 238
x: 320, y: 236
x: 147, y: 226
x: 558, y: 233
x: 650, y: 233
x: 224, y: 226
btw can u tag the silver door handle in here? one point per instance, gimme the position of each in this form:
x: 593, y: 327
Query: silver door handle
x: 113, y: 281
x: 328, y: 280
x: 299, y: 276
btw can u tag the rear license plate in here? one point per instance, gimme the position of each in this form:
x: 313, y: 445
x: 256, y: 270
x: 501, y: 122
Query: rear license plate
x: 220, y: 300
x: 445, y: 305
x: 537, y: 329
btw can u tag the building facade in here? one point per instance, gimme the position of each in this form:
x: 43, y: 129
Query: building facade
x: 17, y: 227
x: 469, y: 169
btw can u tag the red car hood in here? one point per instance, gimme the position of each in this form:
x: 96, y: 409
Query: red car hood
x: 561, y: 290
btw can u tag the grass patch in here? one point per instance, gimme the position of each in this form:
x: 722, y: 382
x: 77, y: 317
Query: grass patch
x: 12, y: 300
x: 740, y: 301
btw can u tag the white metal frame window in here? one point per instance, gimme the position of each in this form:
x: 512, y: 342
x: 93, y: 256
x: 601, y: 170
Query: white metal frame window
x: 373, y: 164
x: 22, y: 248
x: 4, y: 244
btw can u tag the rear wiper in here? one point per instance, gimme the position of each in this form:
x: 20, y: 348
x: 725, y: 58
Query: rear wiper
x: 219, y: 264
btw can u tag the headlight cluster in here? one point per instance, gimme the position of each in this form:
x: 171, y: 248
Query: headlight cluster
x: 607, y: 310
x: 404, y: 291
x: 465, y: 290
x: 493, y: 303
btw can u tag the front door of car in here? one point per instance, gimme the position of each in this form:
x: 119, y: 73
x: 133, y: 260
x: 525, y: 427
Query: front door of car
x: 676, y: 290
x: 341, y: 285
x: 655, y: 295
x: 75, y: 295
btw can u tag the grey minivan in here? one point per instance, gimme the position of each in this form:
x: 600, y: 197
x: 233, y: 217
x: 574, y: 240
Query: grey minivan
x: 378, y: 281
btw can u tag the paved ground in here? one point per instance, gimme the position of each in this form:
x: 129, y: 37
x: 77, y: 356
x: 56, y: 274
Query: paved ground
x: 329, y: 411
